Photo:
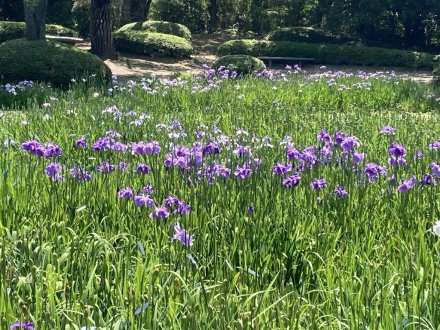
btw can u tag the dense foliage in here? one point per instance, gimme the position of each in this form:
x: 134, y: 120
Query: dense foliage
x: 48, y: 62
x: 159, y: 27
x: 152, y: 44
x: 308, y: 35
x: 241, y: 64
x: 256, y: 203
x: 393, y: 23
x: 330, y: 53
x: 15, y: 30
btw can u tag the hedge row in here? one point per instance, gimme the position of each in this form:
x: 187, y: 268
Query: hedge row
x: 17, y: 30
x: 309, y: 35
x: 152, y: 44
x: 330, y: 54
x: 28, y: 60
x: 436, y: 72
x: 242, y: 64
x: 159, y: 27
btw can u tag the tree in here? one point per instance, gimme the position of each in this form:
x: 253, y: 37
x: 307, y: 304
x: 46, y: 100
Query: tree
x: 101, y: 29
x: 35, y: 16
x: 213, y: 15
x: 134, y: 11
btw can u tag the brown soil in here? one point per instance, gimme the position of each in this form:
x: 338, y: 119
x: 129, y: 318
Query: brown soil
x: 129, y: 66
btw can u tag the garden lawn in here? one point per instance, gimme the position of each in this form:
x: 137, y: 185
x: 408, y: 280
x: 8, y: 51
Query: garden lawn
x: 282, y: 201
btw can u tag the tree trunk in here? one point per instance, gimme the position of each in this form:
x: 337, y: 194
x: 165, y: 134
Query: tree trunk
x: 140, y: 10
x: 125, y: 12
x: 101, y: 24
x: 35, y: 16
x: 213, y: 16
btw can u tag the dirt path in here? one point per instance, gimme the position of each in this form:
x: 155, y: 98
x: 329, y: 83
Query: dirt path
x: 205, y: 49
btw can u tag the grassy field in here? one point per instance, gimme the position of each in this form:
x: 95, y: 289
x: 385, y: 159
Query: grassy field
x: 283, y: 201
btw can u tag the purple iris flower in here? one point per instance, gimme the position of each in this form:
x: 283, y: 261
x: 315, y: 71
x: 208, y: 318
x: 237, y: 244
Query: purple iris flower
x: 119, y: 146
x: 308, y: 156
x: 434, y: 145
x: 427, y: 180
x: 182, y: 208
x: 52, y: 150
x: 250, y: 209
x: 373, y: 171
x: 319, y: 184
x: 80, y: 174
x: 146, y: 148
x: 81, y: 143
x: 324, y: 136
x: 418, y: 155
x: 222, y: 171
x: 341, y: 192
x: 170, y: 201
x: 211, y: 148
x: 241, y: 151
x: 292, y: 181
x: 358, y: 157
x: 143, y: 200
x: 281, y: 169
x: 105, y: 167
x: 396, y: 150
x: 122, y: 166
x: 28, y: 325
x: 125, y: 193
x: 388, y: 130
x: 339, y: 137
x: 148, y: 189
x: 52, y: 169
x: 182, y: 236
x: 292, y: 153
x: 326, y: 153
x: 407, y: 184
x: 242, y: 172
x: 160, y: 213
x: 349, y: 143
x: 397, y: 161
x: 435, y: 168
x: 143, y: 168
x: 30, y: 146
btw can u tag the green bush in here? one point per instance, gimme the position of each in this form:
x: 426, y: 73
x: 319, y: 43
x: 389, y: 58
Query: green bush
x: 50, y: 62
x: 307, y: 34
x: 81, y: 17
x: 152, y: 44
x: 242, y: 64
x: 436, y: 74
x: 17, y: 30
x: 159, y: 27
x: 330, y: 54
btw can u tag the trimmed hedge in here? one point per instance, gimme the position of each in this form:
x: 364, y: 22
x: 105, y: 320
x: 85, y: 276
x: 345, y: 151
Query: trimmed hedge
x: 242, y: 64
x: 330, y: 54
x: 307, y: 34
x: 47, y: 61
x: 17, y: 30
x: 436, y: 73
x: 159, y: 27
x: 152, y: 44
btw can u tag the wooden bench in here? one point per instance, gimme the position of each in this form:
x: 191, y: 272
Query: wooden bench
x: 66, y: 40
x: 298, y: 60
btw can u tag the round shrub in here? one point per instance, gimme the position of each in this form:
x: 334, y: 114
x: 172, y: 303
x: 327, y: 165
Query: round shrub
x: 242, y: 64
x: 159, y: 27
x: 16, y: 30
x: 436, y: 74
x: 307, y: 34
x: 330, y: 53
x: 49, y: 62
x: 152, y: 44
